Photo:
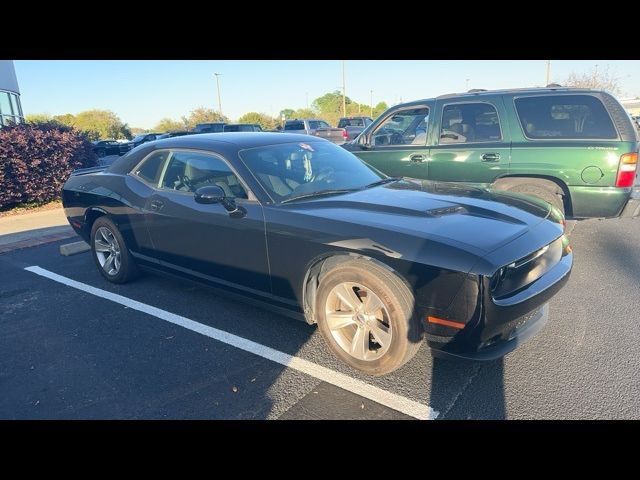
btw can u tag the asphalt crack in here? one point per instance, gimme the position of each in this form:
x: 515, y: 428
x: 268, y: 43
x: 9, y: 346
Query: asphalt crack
x: 465, y: 386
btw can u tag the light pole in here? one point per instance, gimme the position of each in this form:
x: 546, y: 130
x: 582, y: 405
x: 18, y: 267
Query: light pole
x: 307, y: 95
x: 467, y: 89
x: 344, y: 93
x: 371, y: 104
x: 217, y: 75
x: 548, y: 72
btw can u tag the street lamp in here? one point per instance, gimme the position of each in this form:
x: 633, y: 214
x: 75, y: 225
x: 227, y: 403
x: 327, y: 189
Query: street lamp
x: 218, y: 85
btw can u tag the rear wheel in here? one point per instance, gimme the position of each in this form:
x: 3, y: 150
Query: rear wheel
x: 110, y: 253
x: 366, y: 316
x: 543, y: 189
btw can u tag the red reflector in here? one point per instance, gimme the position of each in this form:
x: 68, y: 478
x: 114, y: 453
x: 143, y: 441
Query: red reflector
x: 627, y: 170
x: 446, y: 323
x: 345, y: 134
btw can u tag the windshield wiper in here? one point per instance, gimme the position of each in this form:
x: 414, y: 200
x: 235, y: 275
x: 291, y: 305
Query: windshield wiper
x: 382, y: 182
x: 320, y: 193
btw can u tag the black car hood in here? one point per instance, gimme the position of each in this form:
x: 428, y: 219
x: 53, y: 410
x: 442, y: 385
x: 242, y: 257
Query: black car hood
x: 477, y: 220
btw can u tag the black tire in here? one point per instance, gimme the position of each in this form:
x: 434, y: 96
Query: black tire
x: 128, y: 269
x: 101, y: 153
x: 399, y: 302
x: 546, y: 190
x: 541, y: 192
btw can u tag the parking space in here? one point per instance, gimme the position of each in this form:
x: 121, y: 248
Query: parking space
x: 161, y: 350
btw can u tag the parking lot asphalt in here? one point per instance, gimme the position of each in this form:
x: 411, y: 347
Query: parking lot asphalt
x: 70, y: 353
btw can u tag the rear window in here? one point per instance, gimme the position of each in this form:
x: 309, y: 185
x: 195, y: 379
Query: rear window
x: 315, y: 124
x: 564, y: 117
x: 294, y: 126
x: 351, y: 122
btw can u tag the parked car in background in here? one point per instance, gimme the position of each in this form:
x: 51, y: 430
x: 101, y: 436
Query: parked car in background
x: 574, y: 148
x: 306, y: 126
x: 216, y: 127
x: 637, y: 120
x: 103, y: 148
x: 305, y: 227
x: 242, y: 127
x: 173, y: 134
x: 348, y: 129
x: 143, y: 138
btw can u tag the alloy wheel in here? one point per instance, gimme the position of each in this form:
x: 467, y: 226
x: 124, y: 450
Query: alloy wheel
x: 107, y: 251
x: 358, y: 321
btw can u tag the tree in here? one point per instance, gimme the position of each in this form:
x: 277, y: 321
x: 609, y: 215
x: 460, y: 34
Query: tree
x: 38, y: 118
x: 378, y: 109
x: 168, y: 125
x: 287, y: 112
x: 203, y: 115
x: 262, y: 119
x: 66, y: 119
x: 138, y: 130
x: 599, y: 79
x: 101, y: 124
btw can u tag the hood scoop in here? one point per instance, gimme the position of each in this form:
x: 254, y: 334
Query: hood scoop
x: 442, y: 211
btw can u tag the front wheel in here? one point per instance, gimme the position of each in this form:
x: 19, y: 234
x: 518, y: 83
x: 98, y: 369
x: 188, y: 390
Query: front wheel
x: 110, y: 253
x: 366, y: 315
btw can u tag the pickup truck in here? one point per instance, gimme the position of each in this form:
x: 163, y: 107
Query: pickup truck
x: 348, y: 129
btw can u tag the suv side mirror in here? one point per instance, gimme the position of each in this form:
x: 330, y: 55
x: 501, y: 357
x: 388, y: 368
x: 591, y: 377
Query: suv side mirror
x: 363, y: 142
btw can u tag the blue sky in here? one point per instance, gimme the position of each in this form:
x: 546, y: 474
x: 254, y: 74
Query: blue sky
x: 143, y: 92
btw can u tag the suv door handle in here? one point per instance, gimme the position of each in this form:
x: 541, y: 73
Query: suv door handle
x: 417, y: 157
x: 156, y: 205
x: 490, y: 157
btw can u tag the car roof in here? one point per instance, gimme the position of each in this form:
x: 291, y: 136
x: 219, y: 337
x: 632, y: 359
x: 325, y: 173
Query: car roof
x: 483, y: 93
x: 240, y: 140
x: 302, y: 119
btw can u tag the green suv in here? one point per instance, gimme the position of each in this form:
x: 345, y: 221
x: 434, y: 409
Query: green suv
x: 574, y: 148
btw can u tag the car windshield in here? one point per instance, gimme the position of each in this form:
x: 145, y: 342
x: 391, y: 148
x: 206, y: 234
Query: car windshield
x: 296, y: 170
x: 138, y: 138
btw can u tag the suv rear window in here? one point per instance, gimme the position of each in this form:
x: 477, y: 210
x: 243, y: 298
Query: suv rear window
x: 564, y: 117
x: 294, y: 126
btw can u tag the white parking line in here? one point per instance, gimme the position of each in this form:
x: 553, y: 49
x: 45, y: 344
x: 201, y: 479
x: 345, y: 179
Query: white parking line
x: 397, y: 402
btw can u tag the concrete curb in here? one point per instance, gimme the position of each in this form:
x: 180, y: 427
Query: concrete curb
x: 74, y: 248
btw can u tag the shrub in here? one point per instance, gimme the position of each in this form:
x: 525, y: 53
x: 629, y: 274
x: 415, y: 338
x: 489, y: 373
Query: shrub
x: 36, y: 160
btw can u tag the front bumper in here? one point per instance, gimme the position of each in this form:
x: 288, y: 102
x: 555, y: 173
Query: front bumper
x: 525, y: 328
x: 632, y: 209
x: 500, y: 325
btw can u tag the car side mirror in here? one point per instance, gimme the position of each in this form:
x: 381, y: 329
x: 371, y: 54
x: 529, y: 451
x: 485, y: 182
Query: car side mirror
x: 210, y: 194
x: 215, y: 194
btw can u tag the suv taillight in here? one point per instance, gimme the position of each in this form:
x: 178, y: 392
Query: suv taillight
x: 345, y: 135
x: 627, y: 170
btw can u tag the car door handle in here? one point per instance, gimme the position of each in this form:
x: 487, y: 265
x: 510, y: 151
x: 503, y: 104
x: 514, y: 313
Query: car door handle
x: 156, y: 205
x: 417, y: 157
x: 490, y: 157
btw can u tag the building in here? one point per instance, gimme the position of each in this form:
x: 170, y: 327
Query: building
x: 632, y: 105
x: 10, y: 108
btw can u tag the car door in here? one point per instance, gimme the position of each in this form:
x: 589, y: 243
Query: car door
x: 472, y: 144
x: 205, y: 240
x: 398, y: 145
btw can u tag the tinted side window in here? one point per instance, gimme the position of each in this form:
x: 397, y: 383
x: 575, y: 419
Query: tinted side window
x: 564, y: 116
x: 406, y: 127
x: 294, y: 126
x: 150, y: 169
x: 188, y: 171
x: 469, y: 123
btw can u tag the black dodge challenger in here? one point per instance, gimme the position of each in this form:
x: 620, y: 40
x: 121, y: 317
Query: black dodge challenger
x: 305, y: 227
